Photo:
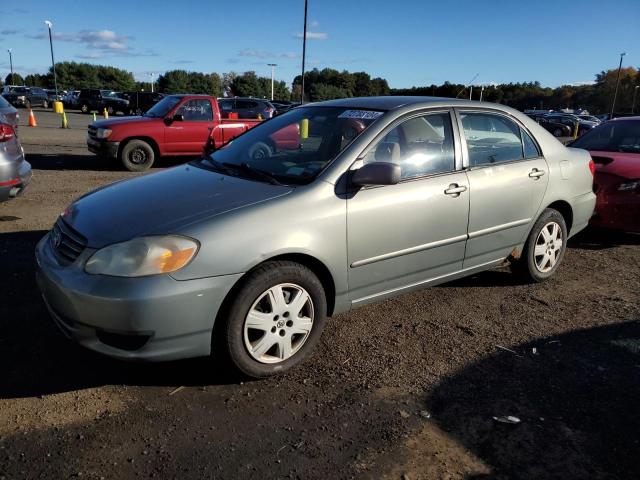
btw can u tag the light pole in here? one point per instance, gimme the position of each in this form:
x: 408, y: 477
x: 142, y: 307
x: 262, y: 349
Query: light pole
x: 53, y: 62
x: 470, y: 92
x: 11, y: 64
x: 633, y: 103
x: 273, y: 70
x: 481, y: 92
x: 304, y: 50
x: 615, y: 93
x: 151, y: 75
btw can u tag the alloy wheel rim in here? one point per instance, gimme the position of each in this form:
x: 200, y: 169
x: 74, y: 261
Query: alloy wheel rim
x: 548, y: 247
x: 278, y: 323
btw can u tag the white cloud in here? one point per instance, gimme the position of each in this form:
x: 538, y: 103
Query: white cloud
x: 582, y: 83
x: 314, y: 35
x: 263, y: 54
x: 314, y: 24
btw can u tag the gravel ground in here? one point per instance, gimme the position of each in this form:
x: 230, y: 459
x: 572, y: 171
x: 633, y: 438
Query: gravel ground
x: 407, y: 388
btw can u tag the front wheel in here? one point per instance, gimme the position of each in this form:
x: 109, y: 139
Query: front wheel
x: 84, y: 108
x: 544, y: 249
x: 275, y: 319
x: 137, y: 156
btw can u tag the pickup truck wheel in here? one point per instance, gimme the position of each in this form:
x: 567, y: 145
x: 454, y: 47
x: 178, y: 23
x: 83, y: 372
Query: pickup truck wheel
x: 260, y: 151
x: 84, y: 108
x: 137, y: 156
x: 274, y: 320
x: 544, y: 249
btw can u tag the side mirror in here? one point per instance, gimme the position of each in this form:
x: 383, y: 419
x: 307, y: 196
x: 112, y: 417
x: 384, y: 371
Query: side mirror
x: 178, y: 118
x: 377, y: 173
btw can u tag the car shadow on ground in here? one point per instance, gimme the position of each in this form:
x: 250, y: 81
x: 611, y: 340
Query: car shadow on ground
x: 576, y: 397
x: 602, y: 239
x: 37, y: 359
x: 90, y: 162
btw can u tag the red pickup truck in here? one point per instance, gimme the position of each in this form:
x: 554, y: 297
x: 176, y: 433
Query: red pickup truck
x: 178, y: 125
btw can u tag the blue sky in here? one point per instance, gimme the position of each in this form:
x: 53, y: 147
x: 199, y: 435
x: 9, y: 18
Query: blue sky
x: 408, y: 42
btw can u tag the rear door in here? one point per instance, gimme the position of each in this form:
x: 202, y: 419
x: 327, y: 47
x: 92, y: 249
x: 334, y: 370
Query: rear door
x: 507, y: 180
x: 188, y: 136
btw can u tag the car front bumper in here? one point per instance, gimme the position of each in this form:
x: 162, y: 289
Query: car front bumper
x: 153, y: 318
x: 103, y: 148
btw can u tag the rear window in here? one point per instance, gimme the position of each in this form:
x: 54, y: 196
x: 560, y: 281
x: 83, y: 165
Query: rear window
x: 613, y: 136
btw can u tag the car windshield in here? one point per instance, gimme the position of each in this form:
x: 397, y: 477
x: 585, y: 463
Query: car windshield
x: 294, y: 147
x: 160, y: 109
x: 614, y: 136
x: 19, y: 90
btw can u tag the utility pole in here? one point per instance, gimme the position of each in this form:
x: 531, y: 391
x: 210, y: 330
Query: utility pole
x: 470, y: 92
x: 633, y: 103
x: 152, y: 74
x: 304, y: 50
x: 11, y: 64
x: 273, y: 72
x: 53, y: 63
x: 481, y: 92
x: 615, y: 93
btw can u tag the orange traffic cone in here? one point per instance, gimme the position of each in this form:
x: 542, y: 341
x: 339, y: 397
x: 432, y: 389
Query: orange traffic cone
x: 32, y: 119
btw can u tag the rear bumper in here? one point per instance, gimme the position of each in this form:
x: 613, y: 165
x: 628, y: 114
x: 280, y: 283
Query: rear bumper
x: 582, y: 207
x: 14, y: 178
x: 103, y: 148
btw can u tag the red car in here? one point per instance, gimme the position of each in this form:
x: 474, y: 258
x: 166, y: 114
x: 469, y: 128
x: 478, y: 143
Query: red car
x: 615, y: 149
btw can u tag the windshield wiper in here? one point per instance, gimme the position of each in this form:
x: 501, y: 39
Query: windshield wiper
x: 254, y: 172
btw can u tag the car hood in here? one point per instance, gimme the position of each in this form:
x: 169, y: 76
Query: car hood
x: 111, y: 122
x: 162, y: 203
x: 622, y: 164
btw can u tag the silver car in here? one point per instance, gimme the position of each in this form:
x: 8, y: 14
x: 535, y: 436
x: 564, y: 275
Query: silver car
x: 326, y: 208
x: 15, y: 171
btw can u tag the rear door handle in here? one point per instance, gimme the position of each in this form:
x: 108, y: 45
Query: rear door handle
x: 535, y: 173
x: 455, y: 190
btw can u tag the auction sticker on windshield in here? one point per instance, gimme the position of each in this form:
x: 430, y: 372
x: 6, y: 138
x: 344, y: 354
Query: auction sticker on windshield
x: 360, y: 114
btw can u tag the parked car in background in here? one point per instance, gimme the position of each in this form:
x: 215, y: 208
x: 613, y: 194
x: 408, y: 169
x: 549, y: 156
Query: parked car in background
x: 9, y: 112
x: 52, y: 96
x: 246, y: 107
x: 615, y: 149
x: 92, y: 99
x: 27, y: 97
x: 283, y: 106
x: 555, y: 127
x: 246, y: 255
x: 570, y: 120
x: 15, y: 171
x: 70, y: 100
x: 589, y: 118
x: 140, y: 102
x: 178, y: 125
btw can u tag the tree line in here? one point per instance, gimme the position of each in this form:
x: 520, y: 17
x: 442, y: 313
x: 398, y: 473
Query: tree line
x: 329, y: 83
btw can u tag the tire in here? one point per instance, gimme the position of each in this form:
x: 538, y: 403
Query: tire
x: 260, y: 151
x: 137, y: 156
x: 543, y: 252
x: 84, y: 108
x: 45, y: 104
x: 557, y: 132
x: 272, y: 346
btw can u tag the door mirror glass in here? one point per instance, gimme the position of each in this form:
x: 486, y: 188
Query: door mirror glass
x: 377, y: 173
x: 178, y: 117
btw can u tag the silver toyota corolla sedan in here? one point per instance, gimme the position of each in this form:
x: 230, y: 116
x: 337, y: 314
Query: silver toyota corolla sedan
x: 15, y: 171
x: 328, y: 207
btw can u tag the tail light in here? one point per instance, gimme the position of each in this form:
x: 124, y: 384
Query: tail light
x: 6, y: 132
x: 592, y: 167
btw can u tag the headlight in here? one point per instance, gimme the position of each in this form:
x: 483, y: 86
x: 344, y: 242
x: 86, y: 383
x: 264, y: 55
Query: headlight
x: 103, y: 132
x: 143, y: 256
x: 22, y: 97
x: 629, y: 186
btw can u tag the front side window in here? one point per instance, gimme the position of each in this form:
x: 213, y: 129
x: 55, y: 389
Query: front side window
x: 421, y: 146
x: 294, y: 147
x: 196, y: 110
x: 491, y: 138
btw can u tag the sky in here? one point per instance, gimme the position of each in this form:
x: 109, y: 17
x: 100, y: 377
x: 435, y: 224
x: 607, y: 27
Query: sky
x: 408, y: 42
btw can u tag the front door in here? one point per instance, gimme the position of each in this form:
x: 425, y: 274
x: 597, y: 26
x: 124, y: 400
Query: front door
x: 507, y: 179
x: 188, y: 136
x: 401, y: 236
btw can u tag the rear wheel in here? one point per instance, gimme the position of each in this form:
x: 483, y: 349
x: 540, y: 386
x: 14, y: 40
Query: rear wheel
x: 274, y: 321
x: 84, y: 108
x: 544, y: 249
x: 260, y: 151
x: 137, y: 156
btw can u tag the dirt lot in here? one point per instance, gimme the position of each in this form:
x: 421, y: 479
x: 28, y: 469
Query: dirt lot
x: 402, y: 389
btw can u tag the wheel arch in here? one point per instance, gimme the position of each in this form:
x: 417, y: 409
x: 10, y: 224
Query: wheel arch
x: 565, y: 210
x: 150, y: 140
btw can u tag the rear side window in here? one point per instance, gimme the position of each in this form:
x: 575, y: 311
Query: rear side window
x: 491, y: 139
x: 421, y: 146
x: 196, y: 110
x: 529, y: 146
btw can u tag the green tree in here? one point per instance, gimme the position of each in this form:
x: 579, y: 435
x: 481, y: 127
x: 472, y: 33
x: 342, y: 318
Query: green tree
x: 248, y: 85
x: 16, y: 80
x: 74, y: 75
x: 37, y: 80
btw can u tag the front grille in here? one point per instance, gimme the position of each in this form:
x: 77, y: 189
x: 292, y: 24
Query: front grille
x: 92, y: 131
x: 66, y: 242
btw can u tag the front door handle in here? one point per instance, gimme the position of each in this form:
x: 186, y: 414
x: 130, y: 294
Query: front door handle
x: 455, y: 190
x: 535, y: 173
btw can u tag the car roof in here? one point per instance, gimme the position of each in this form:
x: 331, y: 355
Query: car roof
x: 635, y: 119
x: 392, y: 103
